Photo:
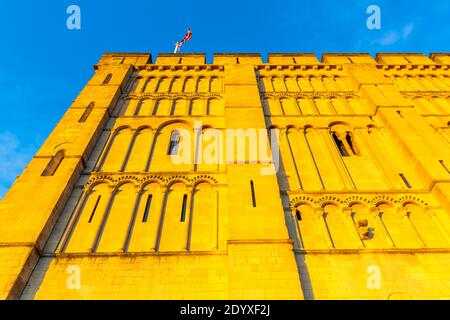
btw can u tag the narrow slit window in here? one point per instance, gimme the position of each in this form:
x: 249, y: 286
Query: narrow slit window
x: 400, y: 113
x: 298, y: 215
x: 86, y: 112
x: 174, y: 143
x: 107, y: 79
x: 252, y: 187
x: 147, y: 208
x: 405, y: 181
x: 53, y: 164
x: 340, y: 145
x: 183, y: 208
x: 95, y: 209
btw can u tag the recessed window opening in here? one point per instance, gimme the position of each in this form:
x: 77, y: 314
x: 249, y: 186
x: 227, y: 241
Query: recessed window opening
x: 86, y: 112
x: 340, y: 145
x: 107, y: 79
x: 53, y: 164
x: 252, y: 187
x: 405, y: 181
x: 183, y: 208
x: 147, y: 208
x: 95, y: 209
x: 174, y: 143
x: 298, y: 215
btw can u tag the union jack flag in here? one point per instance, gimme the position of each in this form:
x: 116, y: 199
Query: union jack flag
x: 187, y: 37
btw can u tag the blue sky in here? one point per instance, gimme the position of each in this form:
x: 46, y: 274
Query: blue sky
x: 44, y: 65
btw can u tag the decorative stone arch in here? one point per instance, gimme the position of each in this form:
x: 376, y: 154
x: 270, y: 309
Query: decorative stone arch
x: 187, y: 81
x: 114, y: 228
x: 412, y: 199
x: 194, y: 104
x: 162, y: 143
x: 178, y: 179
x: 128, y: 178
x: 141, y: 139
x: 308, y: 128
x: 342, y: 134
x: 202, y: 81
x: 203, y: 216
x: 87, y: 188
x: 162, y: 101
x: 290, y: 82
x: 161, y: 81
x: 292, y: 128
x: 300, y: 204
x: 324, y: 201
x: 179, y: 102
x: 425, y: 225
x: 109, y: 146
x: 143, y: 127
x: 340, y: 126
x: 382, y: 199
x: 329, y: 82
x: 102, y: 184
x: 173, y: 82
x: 295, y: 202
x: 289, y: 105
x: 204, y: 178
x: 350, y: 201
x: 120, y: 128
x: 100, y: 179
x: 216, y: 103
x: 153, y: 178
x: 215, y: 83
x: 148, y: 80
x: 195, y: 183
x: 143, y: 107
x: 278, y: 81
x: 170, y: 122
x: 382, y: 203
x: 174, y: 226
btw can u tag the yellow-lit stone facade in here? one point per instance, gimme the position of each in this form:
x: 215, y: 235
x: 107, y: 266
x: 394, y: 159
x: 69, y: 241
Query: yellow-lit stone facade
x: 351, y: 200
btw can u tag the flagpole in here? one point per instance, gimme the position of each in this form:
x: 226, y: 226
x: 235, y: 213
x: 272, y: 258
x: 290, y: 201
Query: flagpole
x: 176, y: 48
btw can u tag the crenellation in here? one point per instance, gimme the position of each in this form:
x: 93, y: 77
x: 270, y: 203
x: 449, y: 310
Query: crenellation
x: 346, y: 58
